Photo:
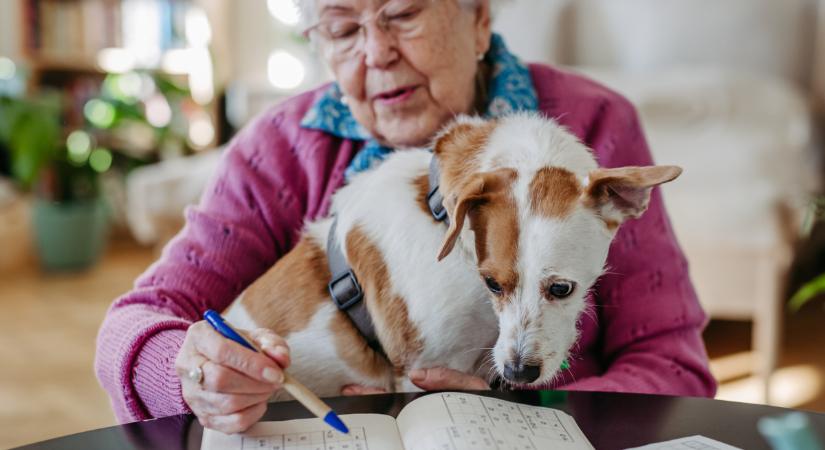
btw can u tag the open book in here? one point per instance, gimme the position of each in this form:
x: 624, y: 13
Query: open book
x: 445, y: 421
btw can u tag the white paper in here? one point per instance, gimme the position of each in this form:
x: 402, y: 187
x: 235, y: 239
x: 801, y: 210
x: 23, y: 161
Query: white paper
x: 458, y: 421
x: 688, y: 443
x: 445, y: 421
x: 367, y: 432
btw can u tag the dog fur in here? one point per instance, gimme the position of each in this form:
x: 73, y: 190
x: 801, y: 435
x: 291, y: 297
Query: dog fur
x: 529, y: 209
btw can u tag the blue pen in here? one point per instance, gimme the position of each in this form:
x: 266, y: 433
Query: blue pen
x: 291, y: 385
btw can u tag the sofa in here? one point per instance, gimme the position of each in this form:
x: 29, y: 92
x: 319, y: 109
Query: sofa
x: 727, y: 90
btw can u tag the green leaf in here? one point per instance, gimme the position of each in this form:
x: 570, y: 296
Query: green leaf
x: 33, y: 138
x: 33, y: 145
x: 10, y: 110
x: 169, y: 88
x: 808, y: 291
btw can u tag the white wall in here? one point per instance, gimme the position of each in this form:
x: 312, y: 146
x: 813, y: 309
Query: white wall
x: 10, y: 28
x: 767, y: 36
x: 549, y: 24
x: 818, y: 79
x: 254, y: 34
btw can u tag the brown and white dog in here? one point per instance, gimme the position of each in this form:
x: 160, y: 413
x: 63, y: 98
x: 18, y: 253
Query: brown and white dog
x: 531, y: 221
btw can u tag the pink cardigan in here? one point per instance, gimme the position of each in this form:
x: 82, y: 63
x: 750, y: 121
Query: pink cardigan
x: 644, y: 334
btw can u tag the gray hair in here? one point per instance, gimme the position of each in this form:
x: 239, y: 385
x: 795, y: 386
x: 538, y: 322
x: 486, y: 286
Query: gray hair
x: 309, y: 15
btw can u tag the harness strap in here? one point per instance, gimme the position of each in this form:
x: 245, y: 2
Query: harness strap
x: 345, y: 290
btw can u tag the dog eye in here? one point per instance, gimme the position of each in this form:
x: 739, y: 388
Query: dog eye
x: 561, y: 289
x: 493, y: 285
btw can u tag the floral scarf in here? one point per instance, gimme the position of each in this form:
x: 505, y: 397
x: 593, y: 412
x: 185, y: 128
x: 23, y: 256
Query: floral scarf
x: 510, y: 89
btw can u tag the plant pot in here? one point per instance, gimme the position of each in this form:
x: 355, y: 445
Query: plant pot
x: 70, y: 235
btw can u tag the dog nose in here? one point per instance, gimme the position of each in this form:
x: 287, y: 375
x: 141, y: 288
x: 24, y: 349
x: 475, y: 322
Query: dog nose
x: 520, y: 373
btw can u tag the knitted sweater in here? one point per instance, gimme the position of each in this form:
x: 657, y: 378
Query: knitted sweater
x: 643, y: 335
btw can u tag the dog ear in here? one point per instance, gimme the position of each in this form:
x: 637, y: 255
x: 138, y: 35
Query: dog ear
x: 476, y: 190
x: 469, y: 196
x: 624, y: 192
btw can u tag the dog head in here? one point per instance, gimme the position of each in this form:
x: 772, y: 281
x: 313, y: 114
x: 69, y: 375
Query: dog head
x: 529, y: 205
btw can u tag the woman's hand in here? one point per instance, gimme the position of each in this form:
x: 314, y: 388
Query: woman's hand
x: 435, y: 379
x: 237, y: 382
x: 442, y: 379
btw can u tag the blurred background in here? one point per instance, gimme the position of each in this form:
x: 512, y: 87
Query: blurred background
x: 113, y: 113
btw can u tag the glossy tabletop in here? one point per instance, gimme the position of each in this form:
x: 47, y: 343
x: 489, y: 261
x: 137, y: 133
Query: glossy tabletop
x: 609, y: 420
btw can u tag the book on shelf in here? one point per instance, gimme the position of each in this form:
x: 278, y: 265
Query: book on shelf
x: 70, y: 33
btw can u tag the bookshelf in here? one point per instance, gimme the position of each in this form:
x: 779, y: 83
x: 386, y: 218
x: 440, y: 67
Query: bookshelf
x: 73, y: 45
x: 66, y: 30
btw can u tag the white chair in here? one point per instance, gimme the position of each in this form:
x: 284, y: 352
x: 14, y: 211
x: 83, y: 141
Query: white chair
x: 157, y: 195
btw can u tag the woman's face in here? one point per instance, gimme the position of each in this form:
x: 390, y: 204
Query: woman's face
x: 403, y: 89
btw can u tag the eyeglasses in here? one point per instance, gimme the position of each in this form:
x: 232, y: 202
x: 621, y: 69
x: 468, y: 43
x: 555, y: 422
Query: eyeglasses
x: 343, y: 36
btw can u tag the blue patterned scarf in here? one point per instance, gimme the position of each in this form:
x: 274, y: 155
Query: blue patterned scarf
x: 510, y: 89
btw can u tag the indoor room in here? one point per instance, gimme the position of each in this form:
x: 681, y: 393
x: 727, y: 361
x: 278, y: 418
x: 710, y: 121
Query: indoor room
x: 157, y: 157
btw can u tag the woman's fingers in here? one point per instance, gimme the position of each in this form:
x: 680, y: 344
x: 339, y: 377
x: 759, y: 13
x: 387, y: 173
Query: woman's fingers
x: 435, y: 379
x: 235, y: 422
x: 216, y: 404
x: 272, y: 344
x: 441, y: 378
x: 357, y: 389
x: 228, y: 353
x: 236, y: 383
x: 218, y: 378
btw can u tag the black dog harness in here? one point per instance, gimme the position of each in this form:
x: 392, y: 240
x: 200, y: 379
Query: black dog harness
x: 344, y: 289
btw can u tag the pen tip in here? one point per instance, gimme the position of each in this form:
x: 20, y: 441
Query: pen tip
x: 335, y: 422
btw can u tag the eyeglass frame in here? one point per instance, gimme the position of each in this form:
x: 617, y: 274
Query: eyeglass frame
x: 377, y: 17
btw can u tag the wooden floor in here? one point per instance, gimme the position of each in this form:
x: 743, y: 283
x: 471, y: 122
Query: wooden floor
x: 49, y: 324
x: 47, y: 343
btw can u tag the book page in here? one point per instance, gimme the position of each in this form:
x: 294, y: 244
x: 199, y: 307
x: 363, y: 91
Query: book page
x: 366, y: 432
x: 696, y: 442
x: 457, y: 421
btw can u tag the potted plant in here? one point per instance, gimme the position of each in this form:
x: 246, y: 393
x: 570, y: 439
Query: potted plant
x: 69, y: 215
x: 144, y: 116
x: 807, y: 292
x: 814, y: 287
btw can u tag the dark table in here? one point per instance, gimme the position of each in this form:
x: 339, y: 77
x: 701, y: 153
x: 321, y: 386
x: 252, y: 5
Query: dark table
x: 609, y: 420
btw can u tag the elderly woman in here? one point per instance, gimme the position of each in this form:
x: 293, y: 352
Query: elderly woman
x: 403, y: 68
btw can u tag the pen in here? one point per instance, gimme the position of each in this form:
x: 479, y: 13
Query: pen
x: 291, y: 385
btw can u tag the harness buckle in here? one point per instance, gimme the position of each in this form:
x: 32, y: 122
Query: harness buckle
x: 345, y: 290
x: 435, y: 201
